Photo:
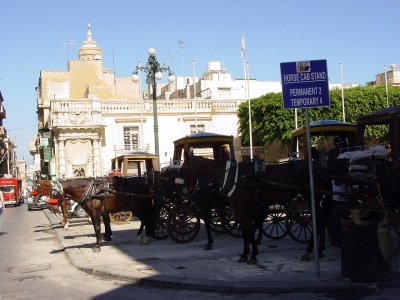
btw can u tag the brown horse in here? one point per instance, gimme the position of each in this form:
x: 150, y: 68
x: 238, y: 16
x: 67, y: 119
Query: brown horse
x: 98, y: 200
x: 250, y: 192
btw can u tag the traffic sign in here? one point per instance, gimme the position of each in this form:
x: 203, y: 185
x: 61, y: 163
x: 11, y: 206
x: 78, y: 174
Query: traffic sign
x: 305, y: 84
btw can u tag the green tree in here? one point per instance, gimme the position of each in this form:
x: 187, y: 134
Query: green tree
x: 271, y: 122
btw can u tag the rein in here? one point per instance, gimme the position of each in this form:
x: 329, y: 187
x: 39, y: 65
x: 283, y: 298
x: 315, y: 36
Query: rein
x: 98, y: 194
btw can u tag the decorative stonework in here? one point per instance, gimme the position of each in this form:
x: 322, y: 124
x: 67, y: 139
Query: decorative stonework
x: 78, y: 118
x: 79, y: 171
x: 89, y: 50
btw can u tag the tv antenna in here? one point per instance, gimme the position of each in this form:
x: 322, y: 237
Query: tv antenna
x: 68, y: 42
x: 181, y: 43
x: 170, y: 58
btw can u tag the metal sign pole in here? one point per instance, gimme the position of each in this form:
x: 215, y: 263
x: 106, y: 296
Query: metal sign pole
x: 313, y: 210
x: 305, y: 84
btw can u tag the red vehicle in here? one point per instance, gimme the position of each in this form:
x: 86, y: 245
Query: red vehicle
x: 11, y: 188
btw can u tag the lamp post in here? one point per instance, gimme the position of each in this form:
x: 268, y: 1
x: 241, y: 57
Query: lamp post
x: 154, y: 71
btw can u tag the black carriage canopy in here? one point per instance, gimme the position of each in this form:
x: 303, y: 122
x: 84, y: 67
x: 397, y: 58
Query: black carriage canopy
x: 387, y: 116
x: 221, y: 145
x: 134, y: 160
x: 325, y: 128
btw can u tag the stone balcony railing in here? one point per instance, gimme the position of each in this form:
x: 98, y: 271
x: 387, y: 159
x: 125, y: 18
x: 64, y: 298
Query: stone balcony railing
x: 120, y: 107
x: 67, y: 112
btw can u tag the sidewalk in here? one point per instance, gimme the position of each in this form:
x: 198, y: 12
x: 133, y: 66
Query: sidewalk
x: 167, y: 263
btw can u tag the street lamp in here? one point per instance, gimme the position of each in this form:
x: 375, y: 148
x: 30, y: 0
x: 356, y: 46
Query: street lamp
x: 154, y: 71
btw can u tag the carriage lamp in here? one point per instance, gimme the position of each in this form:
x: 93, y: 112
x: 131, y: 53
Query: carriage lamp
x: 154, y: 72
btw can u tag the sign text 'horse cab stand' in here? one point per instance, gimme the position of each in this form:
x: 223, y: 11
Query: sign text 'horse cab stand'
x: 305, y: 85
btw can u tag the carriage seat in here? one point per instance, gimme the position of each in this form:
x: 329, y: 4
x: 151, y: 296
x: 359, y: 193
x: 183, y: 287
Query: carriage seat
x: 361, y: 163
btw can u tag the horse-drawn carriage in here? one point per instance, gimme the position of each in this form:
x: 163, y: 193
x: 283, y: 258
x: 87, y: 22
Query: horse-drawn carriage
x: 188, y: 206
x: 365, y: 177
x: 132, y: 164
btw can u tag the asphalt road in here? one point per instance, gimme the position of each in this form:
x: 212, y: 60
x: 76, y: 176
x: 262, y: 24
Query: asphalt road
x: 35, y: 266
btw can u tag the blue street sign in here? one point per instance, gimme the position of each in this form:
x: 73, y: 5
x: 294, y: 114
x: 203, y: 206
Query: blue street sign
x: 305, y: 84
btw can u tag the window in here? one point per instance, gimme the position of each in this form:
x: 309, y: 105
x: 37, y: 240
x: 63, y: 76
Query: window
x: 131, y: 138
x: 200, y: 128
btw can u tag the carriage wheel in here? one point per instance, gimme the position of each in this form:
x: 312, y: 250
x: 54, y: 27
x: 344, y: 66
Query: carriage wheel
x: 231, y: 222
x: 161, y: 231
x: 274, y: 224
x: 299, y: 222
x: 183, y: 223
x: 121, y: 217
x: 57, y: 211
x: 217, y: 225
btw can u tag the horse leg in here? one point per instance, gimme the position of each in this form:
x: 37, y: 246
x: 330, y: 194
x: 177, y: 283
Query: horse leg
x: 259, y: 224
x: 95, y: 217
x: 107, y: 227
x: 254, y: 249
x: 207, y: 223
x: 149, y: 221
x: 64, y: 209
x: 206, y: 215
x: 140, y: 232
x: 321, y: 234
x: 246, y: 248
x: 247, y: 228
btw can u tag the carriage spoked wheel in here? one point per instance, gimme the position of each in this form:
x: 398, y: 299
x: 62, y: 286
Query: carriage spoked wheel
x: 121, y: 217
x: 162, y: 212
x: 217, y: 225
x: 231, y: 222
x: 183, y: 223
x: 57, y: 211
x: 274, y: 226
x: 298, y: 222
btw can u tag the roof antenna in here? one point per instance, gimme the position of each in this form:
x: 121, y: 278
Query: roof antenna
x: 68, y: 42
x: 181, y: 43
x: 170, y: 58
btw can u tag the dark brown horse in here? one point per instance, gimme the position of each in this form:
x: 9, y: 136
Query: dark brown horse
x: 249, y: 192
x: 98, y: 200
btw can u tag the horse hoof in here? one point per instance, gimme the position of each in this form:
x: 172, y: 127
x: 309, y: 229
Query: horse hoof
x: 145, y: 241
x: 96, y: 250
x: 207, y: 247
x: 305, y: 257
x: 140, y: 239
x: 252, y: 261
x: 242, y: 259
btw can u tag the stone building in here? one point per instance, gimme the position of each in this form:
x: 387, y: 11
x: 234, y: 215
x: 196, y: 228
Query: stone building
x: 392, y: 77
x: 9, y: 166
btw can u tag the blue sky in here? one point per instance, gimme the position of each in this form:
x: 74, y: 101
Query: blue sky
x: 363, y: 35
